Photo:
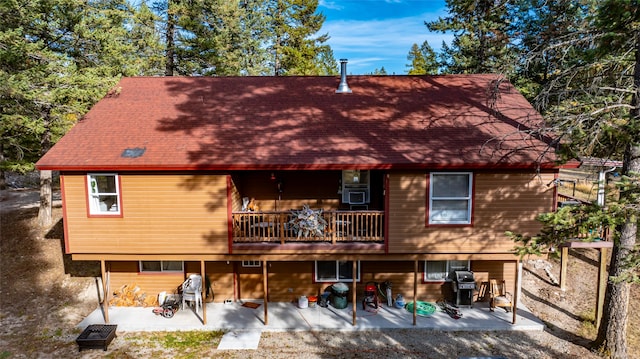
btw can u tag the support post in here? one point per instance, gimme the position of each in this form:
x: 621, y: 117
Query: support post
x: 266, y: 291
x: 105, y: 292
x: 602, y: 284
x: 415, y: 292
x: 564, y: 257
x: 353, y: 292
x: 203, y: 292
x: 514, y: 305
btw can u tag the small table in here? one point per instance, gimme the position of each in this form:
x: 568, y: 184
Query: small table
x: 96, y: 336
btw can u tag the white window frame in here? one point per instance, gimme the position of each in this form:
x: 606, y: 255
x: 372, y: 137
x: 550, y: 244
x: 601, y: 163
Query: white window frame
x: 450, y: 266
x: 337, y: 277
x: 251, y: 264
x: 433, y: 198
x: 97, y: 207
x: 163, y: 267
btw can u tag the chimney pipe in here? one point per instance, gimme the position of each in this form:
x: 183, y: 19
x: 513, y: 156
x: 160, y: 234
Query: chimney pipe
x: 343, y: 87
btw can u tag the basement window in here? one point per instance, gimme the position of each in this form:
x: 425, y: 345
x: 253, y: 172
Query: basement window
x: 336, y: 271
x: 251, y: 264
x: 161, y: 266
x: 442, y: 271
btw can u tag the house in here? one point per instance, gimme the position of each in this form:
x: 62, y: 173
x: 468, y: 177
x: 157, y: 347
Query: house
x: 409, y: 178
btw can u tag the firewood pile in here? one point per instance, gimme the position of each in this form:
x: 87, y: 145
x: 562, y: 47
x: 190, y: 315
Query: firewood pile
x: 130, y: 295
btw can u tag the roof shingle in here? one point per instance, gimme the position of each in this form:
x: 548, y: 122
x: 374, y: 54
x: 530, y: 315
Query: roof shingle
x: 226, y: 123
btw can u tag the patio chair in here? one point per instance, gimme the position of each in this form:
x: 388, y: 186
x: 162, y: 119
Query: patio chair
x: 499, y: 296
x: 192, y: 291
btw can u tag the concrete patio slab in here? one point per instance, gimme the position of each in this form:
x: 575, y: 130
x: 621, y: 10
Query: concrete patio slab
x: 288, y: 317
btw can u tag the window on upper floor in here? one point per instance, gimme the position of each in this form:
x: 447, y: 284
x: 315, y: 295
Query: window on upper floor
x: 161, y: 266
x: 336, y: 271
x: 440, y: 271
x: 450, y: 199
x: 104, y: 193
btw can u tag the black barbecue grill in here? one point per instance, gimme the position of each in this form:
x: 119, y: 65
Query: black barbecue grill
x: 463, y: 286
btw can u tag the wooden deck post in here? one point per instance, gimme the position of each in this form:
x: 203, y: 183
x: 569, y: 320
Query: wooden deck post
x: 602, y: 284
x: 514, y: 305
x: 564, y: 256
x: 415, y: 292
x: 203, y: 293
x: 353, y: 292
x: 265, y: 284
x: 105, y: 292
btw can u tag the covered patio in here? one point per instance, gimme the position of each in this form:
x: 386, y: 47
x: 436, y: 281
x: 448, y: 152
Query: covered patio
x: 288, y: 317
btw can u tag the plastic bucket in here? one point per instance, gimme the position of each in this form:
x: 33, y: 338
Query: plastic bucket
x: 303, y: 302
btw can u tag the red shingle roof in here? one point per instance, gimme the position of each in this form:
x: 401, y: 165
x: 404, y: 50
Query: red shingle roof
x: 301, y: 123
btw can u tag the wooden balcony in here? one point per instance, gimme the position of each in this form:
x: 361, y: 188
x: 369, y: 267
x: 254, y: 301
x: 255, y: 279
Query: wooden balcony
x: 276, y: 227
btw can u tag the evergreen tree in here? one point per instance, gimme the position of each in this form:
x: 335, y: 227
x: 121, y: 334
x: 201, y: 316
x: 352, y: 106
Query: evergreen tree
x: 57, y: 57
x: 592, y: 100
x: 481, y: 42
x: 292, y: 45
x: 423, y: 60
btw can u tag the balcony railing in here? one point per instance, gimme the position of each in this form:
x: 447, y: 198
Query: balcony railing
x: 275, y: 227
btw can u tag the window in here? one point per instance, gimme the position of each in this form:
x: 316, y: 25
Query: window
x: 440, y: 271
x: 251, y: 264
x: 355, y: 186
x: 450, y: 198
x: 336, y: 271
x: 161, y: 266
x: 104, y: 194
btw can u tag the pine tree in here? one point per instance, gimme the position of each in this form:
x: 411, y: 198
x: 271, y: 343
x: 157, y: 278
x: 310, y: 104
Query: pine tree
x: 57, y: 57
x: 481, y: 42
x: 423, y: 60
x: 592, y: 100
x: 293, y: 47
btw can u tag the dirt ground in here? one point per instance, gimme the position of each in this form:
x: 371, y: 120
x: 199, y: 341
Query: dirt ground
x: 44, y: 295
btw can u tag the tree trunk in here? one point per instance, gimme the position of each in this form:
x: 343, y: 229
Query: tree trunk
x: 3, y: 179
x: 612, y: 334
x: 44, y: 214
x: 169, y: 36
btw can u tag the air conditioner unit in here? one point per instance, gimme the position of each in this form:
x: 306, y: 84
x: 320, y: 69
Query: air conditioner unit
x: 357, y: 197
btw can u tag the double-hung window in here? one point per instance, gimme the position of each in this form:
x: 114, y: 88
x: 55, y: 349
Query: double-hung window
x: 104, y: 193
x: 440, y: 271
x: 336, y: 271
x: 450, y: 197
x: 161, y: 266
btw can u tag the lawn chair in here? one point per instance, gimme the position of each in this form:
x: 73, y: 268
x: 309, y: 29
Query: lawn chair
x: 499, y: 296
x: 192, y: 291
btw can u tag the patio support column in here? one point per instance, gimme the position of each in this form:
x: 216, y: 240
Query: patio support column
x: 515, y: 292
x: 353, y: 291
x: 264, y: 286
x: 602, y: 284
x: 564, y: 257
x: 415, y: 292
x: 203, y: 293
x: 105, y: 291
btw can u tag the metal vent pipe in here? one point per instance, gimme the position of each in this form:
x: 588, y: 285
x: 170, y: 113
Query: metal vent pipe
x: 343, y: 87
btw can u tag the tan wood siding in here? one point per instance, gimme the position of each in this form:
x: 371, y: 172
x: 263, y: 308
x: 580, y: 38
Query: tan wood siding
x: 161, y: 214
x: 126, y: 273
x: 502, y: 202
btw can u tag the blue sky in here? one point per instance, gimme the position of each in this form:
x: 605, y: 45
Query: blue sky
x: 373, y: 34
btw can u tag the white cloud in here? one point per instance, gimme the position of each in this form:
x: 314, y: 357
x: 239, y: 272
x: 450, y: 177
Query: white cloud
x: 373, y: 44
x: 330, y: 5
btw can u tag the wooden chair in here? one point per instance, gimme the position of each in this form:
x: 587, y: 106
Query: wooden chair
x: 499, y: 296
